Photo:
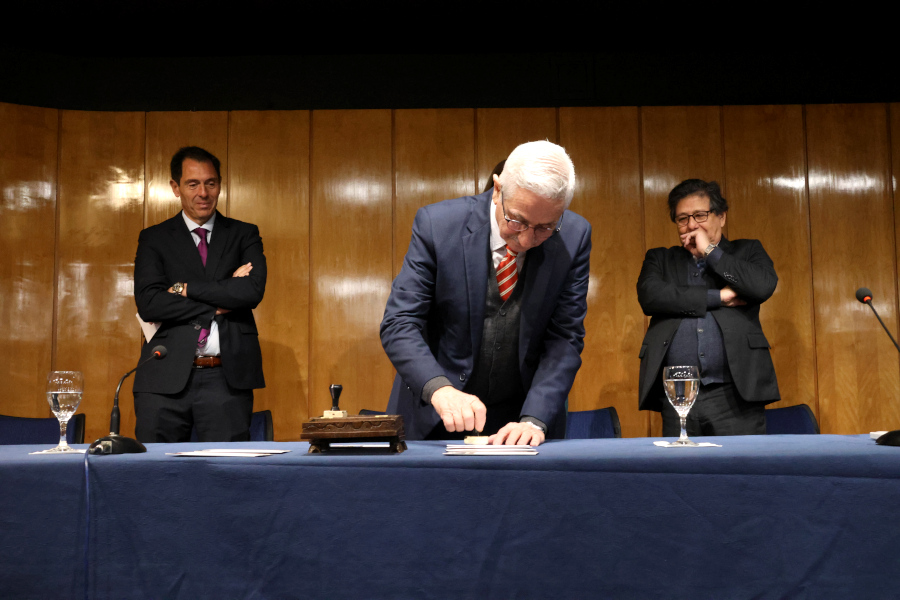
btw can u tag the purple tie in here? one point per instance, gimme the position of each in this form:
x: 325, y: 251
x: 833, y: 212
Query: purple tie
x: 202, y: 248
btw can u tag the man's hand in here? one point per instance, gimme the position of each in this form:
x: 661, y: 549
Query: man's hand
x: 729, y: 297
x: 243, y: 270
x: 518, y: 434
x: 458, y: 410
x: 695, y: 242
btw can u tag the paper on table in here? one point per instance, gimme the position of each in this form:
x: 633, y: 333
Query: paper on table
x: 229, y: 452
x: 664, y: 444
x: 488, y: 450
x: 51, y: 451
x: 149, y: 329
x: 876, y: 434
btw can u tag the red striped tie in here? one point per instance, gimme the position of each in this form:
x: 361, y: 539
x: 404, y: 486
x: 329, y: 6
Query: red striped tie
x: 507, y: 274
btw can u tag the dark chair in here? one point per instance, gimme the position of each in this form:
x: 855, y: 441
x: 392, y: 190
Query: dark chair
x: 261, y: 428
x: 365, y: 412
x: 792, y: 419
x: 24, y: 430
x: 591, y: 424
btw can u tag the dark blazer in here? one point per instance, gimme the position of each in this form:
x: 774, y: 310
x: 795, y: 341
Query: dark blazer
x: 435, y: 314
x: 166, y: 254
x: 666, y: 297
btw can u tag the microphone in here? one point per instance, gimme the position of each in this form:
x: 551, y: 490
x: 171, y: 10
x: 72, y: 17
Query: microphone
x: 115, y: 443
x: 864, y: 295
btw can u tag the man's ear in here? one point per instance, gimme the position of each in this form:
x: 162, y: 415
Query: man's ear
x: 175, y: 189
x: 495, y: 197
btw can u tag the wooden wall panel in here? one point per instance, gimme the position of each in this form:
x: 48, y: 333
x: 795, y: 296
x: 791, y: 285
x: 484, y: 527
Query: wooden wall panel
x: 434, y: 159
x: 28, y: 150
x: 269, y: 181
x: 350, y: 254
x: 604, y: 145
x: 765, y: 165
x: 500, y: 130
x: 166, y: 133
x: 677, y: 143
x: 853, y: 245
x: 101, y: 189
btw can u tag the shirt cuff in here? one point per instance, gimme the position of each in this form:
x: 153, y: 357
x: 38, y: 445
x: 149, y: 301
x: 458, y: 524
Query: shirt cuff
x: 433, y: 385
x: 713, y: 299
x: 538, y: 422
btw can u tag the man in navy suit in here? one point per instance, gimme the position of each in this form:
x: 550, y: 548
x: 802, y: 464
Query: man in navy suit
x: 703, y: 298
x: 484, y: 323
x: 199, y: 275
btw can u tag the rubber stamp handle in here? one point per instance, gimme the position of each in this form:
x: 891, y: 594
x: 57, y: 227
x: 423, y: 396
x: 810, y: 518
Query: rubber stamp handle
x: 335, y: 395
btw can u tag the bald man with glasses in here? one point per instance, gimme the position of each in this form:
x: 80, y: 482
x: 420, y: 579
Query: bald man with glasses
x: 484, y: 323
x: 703, y: 297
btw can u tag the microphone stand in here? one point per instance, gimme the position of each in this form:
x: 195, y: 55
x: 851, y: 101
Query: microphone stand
x: 115, y: 443
x: 864, y: 295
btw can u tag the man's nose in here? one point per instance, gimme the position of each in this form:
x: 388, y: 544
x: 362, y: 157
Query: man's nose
x: 530, y: 239
x: 203, y: 193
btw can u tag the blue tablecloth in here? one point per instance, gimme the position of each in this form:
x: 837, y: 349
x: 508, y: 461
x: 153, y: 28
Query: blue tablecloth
x: 760, y: 517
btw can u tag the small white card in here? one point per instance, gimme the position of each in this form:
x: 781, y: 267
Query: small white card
x: 230, y: 452
x: 664, y: 444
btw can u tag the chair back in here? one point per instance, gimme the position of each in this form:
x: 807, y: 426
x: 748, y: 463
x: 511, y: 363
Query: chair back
x: 365, y: 412
x: 791, y: 419
x: 592, y: 424
x: 24, y: 430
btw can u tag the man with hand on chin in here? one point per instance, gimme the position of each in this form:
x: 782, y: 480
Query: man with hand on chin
x: 484, y: 323
x: 199, y: 274
x: 703, y: 298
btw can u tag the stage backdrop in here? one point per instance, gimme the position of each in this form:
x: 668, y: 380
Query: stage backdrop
x: 334, y: 194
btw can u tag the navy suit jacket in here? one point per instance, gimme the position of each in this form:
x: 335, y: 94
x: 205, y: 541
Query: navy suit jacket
x: 666, y: 297
x: 167, y: 254
x: 435, y: 314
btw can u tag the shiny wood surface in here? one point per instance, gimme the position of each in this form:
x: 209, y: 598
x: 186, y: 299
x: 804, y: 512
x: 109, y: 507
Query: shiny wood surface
x: 350, y: 251
x: 677, y: 143
x: 765, y: 165
x: 28, y: 158
x: 500, y: 130
x: 269, y: 181
x: 853, y: 245
x: 434, y: 159
x: 166, y: 133
x: 604, y: 145
x: 334, y: 194
x: 101, y: 200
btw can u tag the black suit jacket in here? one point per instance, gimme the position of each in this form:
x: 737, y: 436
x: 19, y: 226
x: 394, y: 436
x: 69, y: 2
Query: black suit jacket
x: 666, y: 297
x: 167, y: 254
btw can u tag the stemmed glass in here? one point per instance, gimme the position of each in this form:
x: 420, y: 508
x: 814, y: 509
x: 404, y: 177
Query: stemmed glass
x: 681, y: 385
x: 64, y: 389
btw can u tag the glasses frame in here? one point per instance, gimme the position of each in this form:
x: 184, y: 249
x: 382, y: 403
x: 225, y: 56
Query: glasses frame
x: 538, y: 231
x: 696, y: 216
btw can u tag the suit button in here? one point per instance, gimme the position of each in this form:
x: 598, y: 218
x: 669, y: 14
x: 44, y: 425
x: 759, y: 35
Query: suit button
x: 502, y: 313
x: 462, y: 376
x: 665, y: 343
x: 696, y: 274
x: 197, y: 327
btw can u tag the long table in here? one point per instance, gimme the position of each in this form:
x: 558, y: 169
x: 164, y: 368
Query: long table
x: 759, y: 517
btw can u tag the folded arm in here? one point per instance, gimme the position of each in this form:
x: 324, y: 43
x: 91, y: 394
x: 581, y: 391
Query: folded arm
x: 236, y: 291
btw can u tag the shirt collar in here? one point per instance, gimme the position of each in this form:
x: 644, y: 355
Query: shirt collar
x: 497, y: 242
x: 192, y: 226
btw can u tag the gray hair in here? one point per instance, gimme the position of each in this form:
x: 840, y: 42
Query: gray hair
x: 542, y: 168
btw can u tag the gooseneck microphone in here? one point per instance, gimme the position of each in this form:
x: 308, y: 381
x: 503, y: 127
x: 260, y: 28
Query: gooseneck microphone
x: 115, y: 443
x: 864, y: 295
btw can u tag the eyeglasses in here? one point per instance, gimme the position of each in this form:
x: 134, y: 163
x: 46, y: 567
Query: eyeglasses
x: 699, y: 217
x: 539, y: 230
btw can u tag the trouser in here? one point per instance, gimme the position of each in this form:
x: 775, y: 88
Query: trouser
x: 718, y: 410
x: 219, y: 412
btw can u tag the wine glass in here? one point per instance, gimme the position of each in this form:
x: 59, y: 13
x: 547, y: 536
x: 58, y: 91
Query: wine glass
x: 64, y: 389
x: 681, y: 385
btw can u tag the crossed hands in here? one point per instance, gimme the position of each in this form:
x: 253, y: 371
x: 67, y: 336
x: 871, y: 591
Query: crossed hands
x: 464, y: 412
x: 242, y: 271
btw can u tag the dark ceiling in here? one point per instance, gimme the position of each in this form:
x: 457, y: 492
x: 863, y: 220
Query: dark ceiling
x: 341, y: 81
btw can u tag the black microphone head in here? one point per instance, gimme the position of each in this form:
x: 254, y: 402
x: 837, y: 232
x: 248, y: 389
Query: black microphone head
x: 864, y: 295
x: 159, y: 352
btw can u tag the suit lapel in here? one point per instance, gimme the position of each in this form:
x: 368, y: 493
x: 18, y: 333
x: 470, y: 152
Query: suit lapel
x: 538, y: 270
x: 183, y: 244
x: 476, y: 246
x: 217, y: 244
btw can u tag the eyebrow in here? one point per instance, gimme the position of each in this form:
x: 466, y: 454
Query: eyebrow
x: 520, y: 219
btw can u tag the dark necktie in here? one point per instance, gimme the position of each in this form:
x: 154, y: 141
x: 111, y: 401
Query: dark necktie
x: 203, y: 249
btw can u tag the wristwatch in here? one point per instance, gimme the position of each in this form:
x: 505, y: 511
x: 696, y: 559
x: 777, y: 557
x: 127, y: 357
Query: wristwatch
x: 710, y: 248
x: 177, y: 288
